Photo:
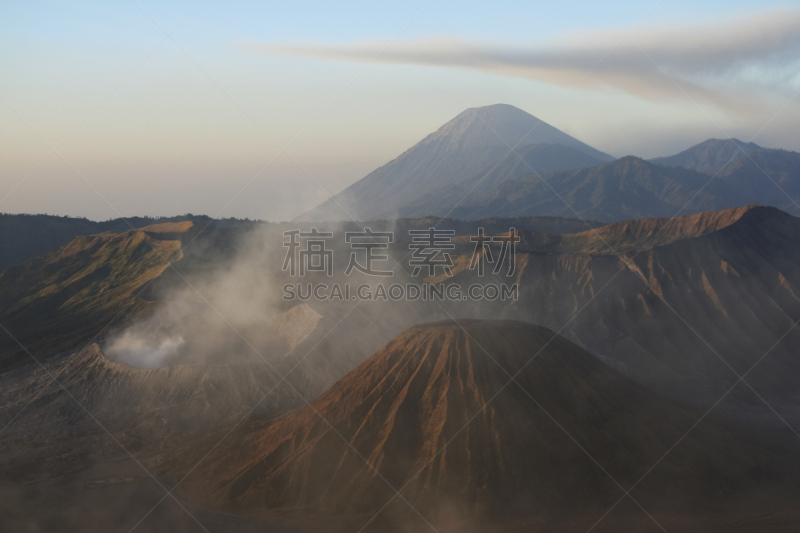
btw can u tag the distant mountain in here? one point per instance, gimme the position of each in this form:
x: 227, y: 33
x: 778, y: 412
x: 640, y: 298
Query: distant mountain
x: 539, y: 158
x: 623, y: 189
x: 560, y: 176
x: 25, y: 236
x: 548, y: 225
x: 768, y: 177
x: 456, y: 152
x: 434, y: 414
x: 755, y: 174
x: 709, y: 157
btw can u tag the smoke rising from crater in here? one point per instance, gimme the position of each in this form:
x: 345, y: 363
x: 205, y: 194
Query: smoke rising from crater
x: 217, y: 310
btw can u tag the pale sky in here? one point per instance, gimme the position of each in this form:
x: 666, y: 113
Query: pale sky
x: 143, y: 124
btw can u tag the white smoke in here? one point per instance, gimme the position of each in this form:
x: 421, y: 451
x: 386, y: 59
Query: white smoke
x: 145, y: 351
x: 218, y: 309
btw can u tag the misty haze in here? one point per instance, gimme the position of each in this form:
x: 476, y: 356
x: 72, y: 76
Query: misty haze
x: 401, y: 267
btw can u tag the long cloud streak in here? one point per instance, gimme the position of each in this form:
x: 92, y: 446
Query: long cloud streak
x: 732, y: 64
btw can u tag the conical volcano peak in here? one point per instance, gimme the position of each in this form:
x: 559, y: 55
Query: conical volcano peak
x: 497, y: 115
x: 501, y: 125
x: 467, y: 145
x: 436, y: 412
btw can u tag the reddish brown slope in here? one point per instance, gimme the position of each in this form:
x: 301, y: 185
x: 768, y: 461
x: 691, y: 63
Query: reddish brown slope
x: 632, y: 235
x: 390, y: 418
x: 712, y: 290
x: 73, y: 292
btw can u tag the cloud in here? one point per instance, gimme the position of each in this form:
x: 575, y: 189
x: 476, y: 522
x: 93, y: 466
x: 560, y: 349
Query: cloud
x: 734, y: 64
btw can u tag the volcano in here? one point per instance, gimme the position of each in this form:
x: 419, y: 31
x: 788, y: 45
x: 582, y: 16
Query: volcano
x: 499, y: 424
x: 472, y: 142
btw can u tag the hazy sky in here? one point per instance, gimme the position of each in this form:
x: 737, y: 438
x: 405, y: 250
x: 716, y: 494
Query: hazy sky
x: 144, y: 124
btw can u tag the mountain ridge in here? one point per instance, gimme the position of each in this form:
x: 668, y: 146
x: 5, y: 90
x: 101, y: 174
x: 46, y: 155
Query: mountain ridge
x: 710, y: 156
x: 454, y: 152
x: 542, y: 158
x: 644, y: 233
x: 768, y: 176
x: 626, y: 188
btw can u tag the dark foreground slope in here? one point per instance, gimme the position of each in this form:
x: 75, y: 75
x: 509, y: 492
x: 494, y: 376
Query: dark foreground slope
x: 61, y: 412
x: 434, y: 416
